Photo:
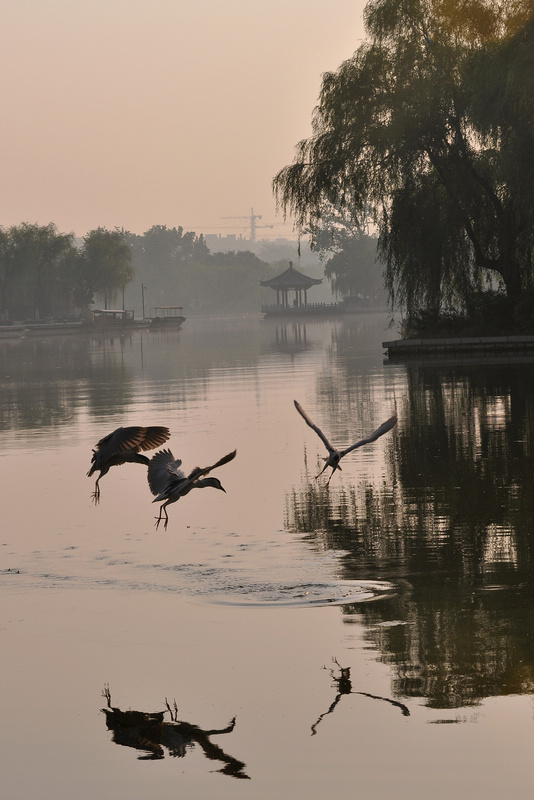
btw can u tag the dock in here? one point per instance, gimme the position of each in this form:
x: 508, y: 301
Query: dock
x: 481, y: 345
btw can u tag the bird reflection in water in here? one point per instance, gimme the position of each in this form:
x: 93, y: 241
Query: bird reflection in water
x: 343, y: 684
x: 150, y: 733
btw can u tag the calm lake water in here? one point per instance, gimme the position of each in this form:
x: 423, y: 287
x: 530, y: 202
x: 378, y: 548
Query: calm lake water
x: 368, y: 638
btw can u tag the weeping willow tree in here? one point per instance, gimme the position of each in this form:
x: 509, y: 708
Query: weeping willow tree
x: 430, y: 124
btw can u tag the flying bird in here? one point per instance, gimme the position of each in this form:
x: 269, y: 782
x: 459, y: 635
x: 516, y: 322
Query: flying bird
x: 123, y: 446
x: 169, y: 483
x: 334, y: 456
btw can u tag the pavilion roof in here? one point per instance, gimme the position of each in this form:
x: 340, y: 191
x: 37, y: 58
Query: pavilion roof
x: 291, y: 279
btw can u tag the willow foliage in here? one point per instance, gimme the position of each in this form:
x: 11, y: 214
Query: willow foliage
x: 431, y: 124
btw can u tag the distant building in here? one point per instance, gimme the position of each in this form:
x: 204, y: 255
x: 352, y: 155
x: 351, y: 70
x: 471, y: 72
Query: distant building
x: 226, y: 244
x: 291, y: 280
x: 267, y: 249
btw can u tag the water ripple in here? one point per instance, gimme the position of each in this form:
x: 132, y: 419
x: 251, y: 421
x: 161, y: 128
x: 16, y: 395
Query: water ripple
x: 311, y: 594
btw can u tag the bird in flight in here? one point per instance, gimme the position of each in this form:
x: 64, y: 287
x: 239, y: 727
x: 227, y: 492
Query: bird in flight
x: 123, y: 446
x: 169, y: 483
x: 334, y: 456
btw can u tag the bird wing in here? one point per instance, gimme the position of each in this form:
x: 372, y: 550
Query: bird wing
x: 128, y: 457
x: 317, y: 430
x: 198, y: 472
x: 135, y: 438
x: 384, y: 428
x: 220, y: 462
x: 163, y: 471
x: 120, y: 440
x: 154, y: 436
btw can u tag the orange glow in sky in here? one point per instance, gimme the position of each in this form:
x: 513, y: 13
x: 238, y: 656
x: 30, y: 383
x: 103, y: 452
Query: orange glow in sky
x: 131, y: 113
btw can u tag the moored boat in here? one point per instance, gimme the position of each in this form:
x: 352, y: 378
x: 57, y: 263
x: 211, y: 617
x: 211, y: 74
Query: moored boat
x: 166, y: 316
x: 103, y: 319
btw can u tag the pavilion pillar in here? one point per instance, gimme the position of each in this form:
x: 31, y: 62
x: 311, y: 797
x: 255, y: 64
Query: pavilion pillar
x: 288, y: 282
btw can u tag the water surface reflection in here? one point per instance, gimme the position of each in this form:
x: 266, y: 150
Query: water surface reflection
x: 153, y: 735
x: 413, y: 566
x: 452, y: 524
x: 343, y: 686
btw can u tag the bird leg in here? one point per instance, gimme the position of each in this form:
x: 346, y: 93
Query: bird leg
x: 107, y: 694
x: 334, y: 467
x: 330, y: 478
x: 96, y: 494
x: 160, y: 518
x: 172, y: 711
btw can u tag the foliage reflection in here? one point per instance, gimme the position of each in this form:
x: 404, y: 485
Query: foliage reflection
x: 451, y: 526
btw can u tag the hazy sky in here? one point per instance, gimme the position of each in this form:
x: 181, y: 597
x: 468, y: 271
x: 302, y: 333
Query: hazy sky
x: 132, y: 113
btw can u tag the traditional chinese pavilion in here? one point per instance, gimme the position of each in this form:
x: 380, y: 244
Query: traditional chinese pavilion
x: 291, y: 281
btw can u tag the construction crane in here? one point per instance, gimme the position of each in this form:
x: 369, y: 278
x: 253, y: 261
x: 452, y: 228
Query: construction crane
x: 252, y: 217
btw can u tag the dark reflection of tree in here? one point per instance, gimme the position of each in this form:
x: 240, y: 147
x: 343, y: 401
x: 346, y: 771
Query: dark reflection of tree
x: 150, y: 733
x: 343, y: 686
x: 453, y: 525
x: 46, y: 379
x: 35, y: 374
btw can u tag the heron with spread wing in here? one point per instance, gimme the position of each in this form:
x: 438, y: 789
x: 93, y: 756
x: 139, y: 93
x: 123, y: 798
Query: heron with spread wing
x: 122, y: 446
x: 169, y: 483
x: 334, y: 456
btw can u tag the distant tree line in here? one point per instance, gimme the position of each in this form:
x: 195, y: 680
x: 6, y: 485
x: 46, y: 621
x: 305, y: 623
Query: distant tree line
x: 177, y: 268
x: 44, y: 274
x: 427, y: 133
x: 48, y: 274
